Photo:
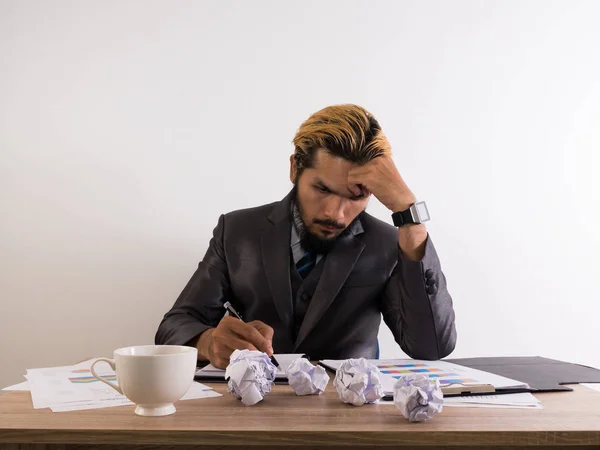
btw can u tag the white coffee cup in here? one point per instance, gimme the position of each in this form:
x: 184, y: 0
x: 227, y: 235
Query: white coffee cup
x: 152, y: 376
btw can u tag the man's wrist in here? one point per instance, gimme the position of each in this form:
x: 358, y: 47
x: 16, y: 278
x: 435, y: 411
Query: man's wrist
x: 204, y: 344
x: 411, y: 240
x: 403, y: 202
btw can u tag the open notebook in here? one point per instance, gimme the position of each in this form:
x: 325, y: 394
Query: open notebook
x: 211, y: 373
x: 454, y: 379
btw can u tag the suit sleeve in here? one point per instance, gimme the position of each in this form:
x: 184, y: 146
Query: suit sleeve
x: 417, y: 307
x: 200, y: 304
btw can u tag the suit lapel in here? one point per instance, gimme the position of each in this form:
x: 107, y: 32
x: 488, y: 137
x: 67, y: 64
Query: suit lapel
x: 338, y: 265
x: 275, y: 245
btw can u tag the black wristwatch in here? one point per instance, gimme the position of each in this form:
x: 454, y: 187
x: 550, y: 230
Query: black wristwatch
x: 416, y: 213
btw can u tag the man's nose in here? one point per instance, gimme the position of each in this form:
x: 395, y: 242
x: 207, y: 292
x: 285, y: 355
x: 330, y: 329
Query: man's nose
x: 335, y: 208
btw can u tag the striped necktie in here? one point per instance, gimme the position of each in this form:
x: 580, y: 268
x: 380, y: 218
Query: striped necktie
x: 306, y: 263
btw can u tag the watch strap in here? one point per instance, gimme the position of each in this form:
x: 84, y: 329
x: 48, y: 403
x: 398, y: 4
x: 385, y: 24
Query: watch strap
x: 401, y: 218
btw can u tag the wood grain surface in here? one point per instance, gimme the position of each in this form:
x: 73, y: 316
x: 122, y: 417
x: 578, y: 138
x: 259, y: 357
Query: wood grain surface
x: 284, y: 419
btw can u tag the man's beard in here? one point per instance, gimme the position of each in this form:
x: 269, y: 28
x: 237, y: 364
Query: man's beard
x: 309, y: 240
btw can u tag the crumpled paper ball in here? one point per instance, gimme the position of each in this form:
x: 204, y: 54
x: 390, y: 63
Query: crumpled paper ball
x: 418, y: 397
x: 306, y: 378
x: 250, y: 375
x: 357, y: 382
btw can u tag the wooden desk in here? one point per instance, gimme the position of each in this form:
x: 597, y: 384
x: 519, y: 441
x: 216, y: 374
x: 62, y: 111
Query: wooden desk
x: 285, y: 420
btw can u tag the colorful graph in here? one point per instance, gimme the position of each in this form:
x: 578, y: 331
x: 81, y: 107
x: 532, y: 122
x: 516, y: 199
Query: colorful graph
x: 398, y: 370
x: 92, y: 379
x: 448, y: 380
x: 399, y: 366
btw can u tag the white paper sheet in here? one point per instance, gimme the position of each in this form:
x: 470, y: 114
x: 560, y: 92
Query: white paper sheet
x: 522, y: 400
x: 594, y: 386
x: 72, y: 388
x: 52, y: 386
x: 196, y: 391
x: 284, y: 361
x: 443, y: 371
x: 24, y: 386
x: 491, y: 405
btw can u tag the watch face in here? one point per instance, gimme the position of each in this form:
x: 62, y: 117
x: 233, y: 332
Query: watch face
x: 422, y: 211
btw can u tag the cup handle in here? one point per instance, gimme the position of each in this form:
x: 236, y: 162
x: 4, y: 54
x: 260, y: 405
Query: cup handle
x: 111, y: 362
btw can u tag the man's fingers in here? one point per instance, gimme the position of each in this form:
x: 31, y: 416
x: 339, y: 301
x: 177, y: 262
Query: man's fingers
x: 255, y: 335
x: 358, y: 187
x: 251, y: 335
x: 220, y: 363
x: 225, y: 346
x: 263, y: 329
x: 358, y: 181
x: 359, y: 171
x: 266, y: 331
x: 356, y: 190
x: 235, y: 343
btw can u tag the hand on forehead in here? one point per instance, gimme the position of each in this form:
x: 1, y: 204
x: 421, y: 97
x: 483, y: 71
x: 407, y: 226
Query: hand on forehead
x: 358, y: 189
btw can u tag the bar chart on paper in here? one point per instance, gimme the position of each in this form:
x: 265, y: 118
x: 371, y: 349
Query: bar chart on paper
x: 85, y: 379
x: 443, y: 376
x: 445, y: 372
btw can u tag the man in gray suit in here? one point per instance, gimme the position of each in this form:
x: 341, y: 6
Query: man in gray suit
x: 314, y: 273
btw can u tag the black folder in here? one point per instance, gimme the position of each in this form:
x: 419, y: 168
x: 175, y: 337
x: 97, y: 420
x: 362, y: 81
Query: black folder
x: 541, y: 374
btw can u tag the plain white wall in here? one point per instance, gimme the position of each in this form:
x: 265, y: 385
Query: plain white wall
x: 127, y: 127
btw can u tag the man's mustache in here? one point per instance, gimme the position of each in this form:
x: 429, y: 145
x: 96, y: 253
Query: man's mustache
x: 330, y: 223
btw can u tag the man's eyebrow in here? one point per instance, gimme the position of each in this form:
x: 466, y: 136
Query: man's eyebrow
x: 322, y: 183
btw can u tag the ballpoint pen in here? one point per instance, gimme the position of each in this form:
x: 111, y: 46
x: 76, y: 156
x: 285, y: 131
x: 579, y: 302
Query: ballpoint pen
x: 229, y: 307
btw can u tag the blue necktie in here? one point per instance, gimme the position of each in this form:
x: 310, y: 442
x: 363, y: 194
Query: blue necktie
x: 306, y: 263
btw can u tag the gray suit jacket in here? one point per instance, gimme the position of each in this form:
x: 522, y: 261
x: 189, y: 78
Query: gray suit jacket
x: 364, y: 277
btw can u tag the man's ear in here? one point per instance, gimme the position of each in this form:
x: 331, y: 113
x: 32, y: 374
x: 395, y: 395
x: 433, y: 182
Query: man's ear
x: 293, y: 169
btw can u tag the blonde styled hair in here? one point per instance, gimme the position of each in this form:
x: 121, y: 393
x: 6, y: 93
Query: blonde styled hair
x: 347, y: 131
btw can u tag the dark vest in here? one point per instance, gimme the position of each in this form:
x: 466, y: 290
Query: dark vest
x: 303, y: 290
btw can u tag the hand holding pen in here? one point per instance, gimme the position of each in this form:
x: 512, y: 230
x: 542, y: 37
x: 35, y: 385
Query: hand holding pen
x: 232, y: 333
x: 262, y: 327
